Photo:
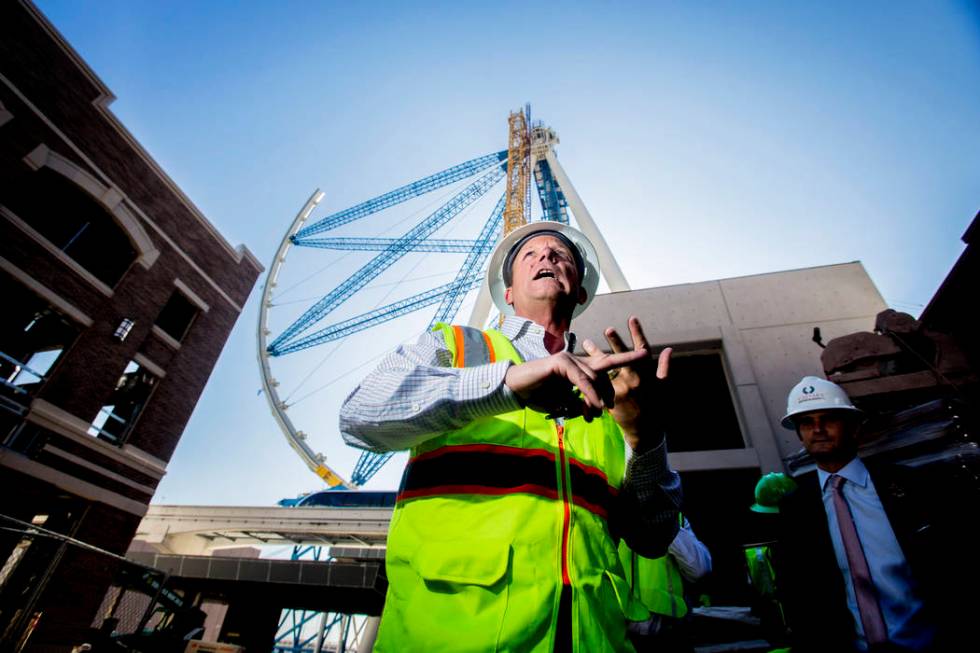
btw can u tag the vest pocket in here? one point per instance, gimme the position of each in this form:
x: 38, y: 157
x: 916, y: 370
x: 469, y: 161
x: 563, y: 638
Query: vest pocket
x: 458, y: 600
x: 463, y: 563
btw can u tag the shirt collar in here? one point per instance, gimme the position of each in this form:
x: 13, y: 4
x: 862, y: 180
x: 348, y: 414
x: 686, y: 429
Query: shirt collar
x: 855, y: 472
x: 518, y: 327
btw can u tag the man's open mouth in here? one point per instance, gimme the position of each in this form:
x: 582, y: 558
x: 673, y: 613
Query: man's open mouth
x: 541, y: 274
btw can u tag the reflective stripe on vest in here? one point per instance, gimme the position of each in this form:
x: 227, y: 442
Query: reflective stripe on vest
x: 494, y: 469
x: 473, y: 347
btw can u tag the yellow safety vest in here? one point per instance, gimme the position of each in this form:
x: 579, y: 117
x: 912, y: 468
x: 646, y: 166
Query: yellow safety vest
x: 494, y: 518
x: 656, y: 582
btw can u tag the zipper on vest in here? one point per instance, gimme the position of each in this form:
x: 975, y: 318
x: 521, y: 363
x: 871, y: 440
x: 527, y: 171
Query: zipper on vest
x: 566, y: 506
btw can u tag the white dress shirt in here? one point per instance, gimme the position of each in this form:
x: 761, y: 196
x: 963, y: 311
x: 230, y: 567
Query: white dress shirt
x: 897, y: 590
x: 691, y: 555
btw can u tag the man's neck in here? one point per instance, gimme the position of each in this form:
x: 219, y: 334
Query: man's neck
x: 833, y: 466
x: 554, y: 328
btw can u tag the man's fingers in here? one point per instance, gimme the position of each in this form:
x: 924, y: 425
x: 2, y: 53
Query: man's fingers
x: 663, y: 363
x: 579, y: 376
x: 594, y: 353
x: 599, y: 361
x: 615, y: 342
x: 618, y: 360
x: 636, y: 331
x: 596, y: 389
x: 571, y: 363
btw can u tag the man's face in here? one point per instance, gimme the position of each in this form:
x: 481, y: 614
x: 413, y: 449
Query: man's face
x: 828, y: 434
x: 544, y: 269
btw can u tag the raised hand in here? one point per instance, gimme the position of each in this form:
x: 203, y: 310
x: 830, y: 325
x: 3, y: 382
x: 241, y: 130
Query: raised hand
x: 548, y: 384
x: 637, y: 387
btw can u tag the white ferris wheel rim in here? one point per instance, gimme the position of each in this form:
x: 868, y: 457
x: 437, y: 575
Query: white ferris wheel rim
x: 297, y: 439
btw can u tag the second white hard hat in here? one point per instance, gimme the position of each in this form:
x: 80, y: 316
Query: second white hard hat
x: 813, y: 393
x: 495, y: 272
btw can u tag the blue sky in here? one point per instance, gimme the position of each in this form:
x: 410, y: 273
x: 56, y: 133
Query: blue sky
x: 709, y: 140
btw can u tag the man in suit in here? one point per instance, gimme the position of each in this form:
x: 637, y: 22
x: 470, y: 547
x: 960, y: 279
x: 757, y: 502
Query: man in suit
x: 872, y: 557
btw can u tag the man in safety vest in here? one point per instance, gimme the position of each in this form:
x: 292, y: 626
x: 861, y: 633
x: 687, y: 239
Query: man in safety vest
x: 769, y: 491
x: 504, y: 536
x: 658, y: 583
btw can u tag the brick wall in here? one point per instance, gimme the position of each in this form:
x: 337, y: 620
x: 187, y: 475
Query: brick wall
x: 57, y: 102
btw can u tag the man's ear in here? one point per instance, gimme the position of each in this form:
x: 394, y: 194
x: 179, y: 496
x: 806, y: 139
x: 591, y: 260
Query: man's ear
x: 508, y: 298
x: 583, y: 296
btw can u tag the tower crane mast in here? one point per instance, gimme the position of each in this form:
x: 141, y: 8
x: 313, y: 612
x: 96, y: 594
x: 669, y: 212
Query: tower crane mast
x: 517, y: 207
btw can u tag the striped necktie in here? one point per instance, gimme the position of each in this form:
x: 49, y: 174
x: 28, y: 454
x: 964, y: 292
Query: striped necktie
x: 864, y: 590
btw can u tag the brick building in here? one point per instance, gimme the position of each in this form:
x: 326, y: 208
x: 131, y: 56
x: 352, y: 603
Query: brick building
x: 118, y: 296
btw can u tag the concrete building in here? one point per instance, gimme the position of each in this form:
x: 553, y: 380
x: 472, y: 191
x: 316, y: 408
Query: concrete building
x: 740, y: 344
x: 949, y: 310
x: 118, y: 298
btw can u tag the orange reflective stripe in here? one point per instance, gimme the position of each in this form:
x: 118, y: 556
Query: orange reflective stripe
x: 473, y: 347
x: 493, y: 355
x: 460, y: 346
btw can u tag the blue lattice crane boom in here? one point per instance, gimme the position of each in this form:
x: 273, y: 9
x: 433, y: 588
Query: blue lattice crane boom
x: 370, y: 462
x: 487, y: 240
x: 451, y: 294
x: 554, y: 206
x: 387, y: 258
x: 405, y: 193
x: 432, y: 245
x: 383, y: 314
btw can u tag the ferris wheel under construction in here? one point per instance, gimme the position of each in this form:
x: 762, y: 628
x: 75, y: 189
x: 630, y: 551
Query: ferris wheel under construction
x: 529, y: 161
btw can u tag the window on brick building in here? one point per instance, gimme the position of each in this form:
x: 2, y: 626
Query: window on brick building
x: 702, y: 413
x: 117, y: 417
x: 73, y: 221
x: 33, y: 338
x: 177, y: 316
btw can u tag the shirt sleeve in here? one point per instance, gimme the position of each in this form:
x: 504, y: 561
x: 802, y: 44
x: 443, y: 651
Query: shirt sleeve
x: 416, y: 394
x: 691, y: 555
x: 645, y: 511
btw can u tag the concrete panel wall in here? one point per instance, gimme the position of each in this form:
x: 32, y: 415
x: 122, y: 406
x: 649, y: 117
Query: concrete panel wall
x: 667, y: 309
x: 800, y: 296
x: 764, y: 326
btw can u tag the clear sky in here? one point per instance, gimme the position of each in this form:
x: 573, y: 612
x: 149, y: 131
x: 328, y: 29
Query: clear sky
x: 709, y: 140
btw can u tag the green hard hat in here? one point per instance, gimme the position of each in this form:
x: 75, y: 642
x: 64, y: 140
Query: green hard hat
x: 770, y: 490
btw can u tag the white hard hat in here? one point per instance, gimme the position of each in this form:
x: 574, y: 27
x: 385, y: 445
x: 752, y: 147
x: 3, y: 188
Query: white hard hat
x: 813, y: 393
x: 589, y: 275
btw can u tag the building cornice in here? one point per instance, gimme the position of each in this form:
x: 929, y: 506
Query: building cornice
x: 49, y: 416
x: 101, y: 103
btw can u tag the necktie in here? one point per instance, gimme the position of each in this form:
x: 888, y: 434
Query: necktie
x: 864, y: 591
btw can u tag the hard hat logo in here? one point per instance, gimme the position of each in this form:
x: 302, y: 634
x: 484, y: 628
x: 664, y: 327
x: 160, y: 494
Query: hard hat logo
x: 812, y: 394
x: 811, y: 397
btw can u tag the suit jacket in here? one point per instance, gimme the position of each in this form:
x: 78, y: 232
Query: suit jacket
x: 931, y: 511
